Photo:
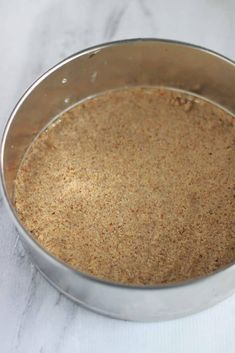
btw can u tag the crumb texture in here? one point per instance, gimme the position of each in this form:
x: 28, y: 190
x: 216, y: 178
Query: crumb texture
x: 135, y: 186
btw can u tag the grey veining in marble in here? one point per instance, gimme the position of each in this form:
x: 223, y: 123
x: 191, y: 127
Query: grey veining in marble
x: 34, y: 35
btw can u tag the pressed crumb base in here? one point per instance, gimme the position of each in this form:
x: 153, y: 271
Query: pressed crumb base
x: 134, y: 186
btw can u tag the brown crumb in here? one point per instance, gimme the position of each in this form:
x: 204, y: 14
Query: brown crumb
x: 134, y: 186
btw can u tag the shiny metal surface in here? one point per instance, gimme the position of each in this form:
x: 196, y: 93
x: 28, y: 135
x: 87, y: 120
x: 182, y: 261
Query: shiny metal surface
x: 109, y: 66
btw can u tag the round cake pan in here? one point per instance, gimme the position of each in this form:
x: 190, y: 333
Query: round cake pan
x: 110, y: 66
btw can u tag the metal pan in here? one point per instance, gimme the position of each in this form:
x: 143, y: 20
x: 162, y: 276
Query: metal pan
x: 90, y: 72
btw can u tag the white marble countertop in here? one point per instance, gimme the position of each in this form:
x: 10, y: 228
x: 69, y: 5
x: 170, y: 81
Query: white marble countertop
x: 34, y: 317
